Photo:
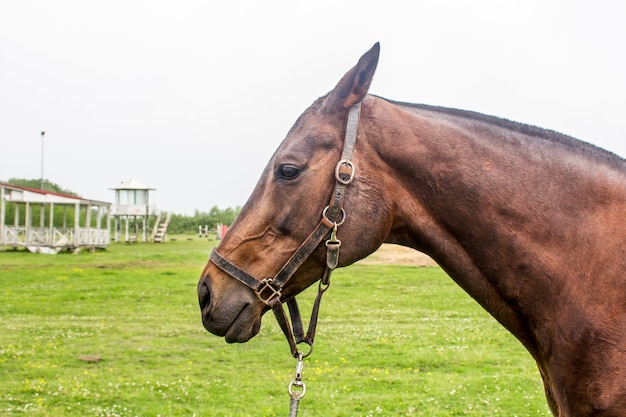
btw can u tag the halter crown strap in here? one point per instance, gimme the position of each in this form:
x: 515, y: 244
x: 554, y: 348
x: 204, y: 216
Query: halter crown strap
x: 269, y: 290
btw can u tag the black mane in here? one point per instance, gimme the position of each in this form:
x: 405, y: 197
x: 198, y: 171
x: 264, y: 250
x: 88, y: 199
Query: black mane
x: 570, y: 142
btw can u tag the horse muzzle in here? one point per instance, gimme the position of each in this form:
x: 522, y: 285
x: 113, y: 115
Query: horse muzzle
x: 232, y: 312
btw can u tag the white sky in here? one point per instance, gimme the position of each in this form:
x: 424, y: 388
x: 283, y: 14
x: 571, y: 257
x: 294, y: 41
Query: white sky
x: 193, y: 97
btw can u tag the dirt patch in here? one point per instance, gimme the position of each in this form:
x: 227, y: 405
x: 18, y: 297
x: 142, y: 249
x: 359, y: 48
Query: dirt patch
x: 389, y: 254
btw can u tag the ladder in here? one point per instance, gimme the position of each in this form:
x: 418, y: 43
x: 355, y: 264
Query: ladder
x: 160, y: 228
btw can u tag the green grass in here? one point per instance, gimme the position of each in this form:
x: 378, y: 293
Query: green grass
x: 392, y: 341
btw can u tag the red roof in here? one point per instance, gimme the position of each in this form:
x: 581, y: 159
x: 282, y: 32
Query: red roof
x: 46, y: 192
x: 38, y: 191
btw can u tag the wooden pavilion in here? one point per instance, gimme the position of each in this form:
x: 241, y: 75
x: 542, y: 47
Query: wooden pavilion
x: 48, y: 222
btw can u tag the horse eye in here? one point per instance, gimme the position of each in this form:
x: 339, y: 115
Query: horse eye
x: 287, y: 172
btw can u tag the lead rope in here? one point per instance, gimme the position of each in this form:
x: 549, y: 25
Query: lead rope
x: 297, y: 388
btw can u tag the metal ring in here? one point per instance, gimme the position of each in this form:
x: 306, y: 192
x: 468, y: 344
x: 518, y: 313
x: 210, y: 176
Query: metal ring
x: 305, y: 355
x: 343, y: 217
x: 295, y: 394
x: 338, y: 168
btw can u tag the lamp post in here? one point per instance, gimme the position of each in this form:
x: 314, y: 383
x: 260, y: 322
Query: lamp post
x: 41, y: 184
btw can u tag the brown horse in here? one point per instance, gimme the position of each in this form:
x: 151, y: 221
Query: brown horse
x: 529, y: 222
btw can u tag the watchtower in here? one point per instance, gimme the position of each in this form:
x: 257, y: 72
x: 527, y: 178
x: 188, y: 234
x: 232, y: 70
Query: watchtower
x: 132, y: 206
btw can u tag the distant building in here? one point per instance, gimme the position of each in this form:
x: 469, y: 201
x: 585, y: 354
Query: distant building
x: 48, y: 222
x: 133, y: 208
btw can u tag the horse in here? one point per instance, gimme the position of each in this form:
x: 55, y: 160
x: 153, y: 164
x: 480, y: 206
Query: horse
x: 528, y: 221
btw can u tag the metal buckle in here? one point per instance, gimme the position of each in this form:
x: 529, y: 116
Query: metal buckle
x: 343, y: 217
x: 267, y: 284
x: 338, y: 172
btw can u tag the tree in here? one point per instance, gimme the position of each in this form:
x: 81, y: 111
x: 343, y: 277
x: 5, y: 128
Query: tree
x: 47, y: 185
x: 189, y: 224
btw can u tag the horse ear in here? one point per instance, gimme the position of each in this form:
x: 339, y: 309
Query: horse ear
x: 352, y: 88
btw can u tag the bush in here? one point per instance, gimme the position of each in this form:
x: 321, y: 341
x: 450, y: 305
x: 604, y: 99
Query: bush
x: 189, y: 224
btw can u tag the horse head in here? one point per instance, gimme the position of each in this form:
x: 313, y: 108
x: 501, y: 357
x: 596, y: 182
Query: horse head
x: 287, y: 208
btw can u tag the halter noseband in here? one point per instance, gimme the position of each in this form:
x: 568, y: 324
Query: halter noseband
x: 269, y: 290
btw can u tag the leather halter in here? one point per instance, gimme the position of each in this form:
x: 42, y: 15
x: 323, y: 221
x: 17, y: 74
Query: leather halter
x: 269, y: 290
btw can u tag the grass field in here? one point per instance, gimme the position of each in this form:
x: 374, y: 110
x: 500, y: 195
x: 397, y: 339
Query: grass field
x: 118, y: 333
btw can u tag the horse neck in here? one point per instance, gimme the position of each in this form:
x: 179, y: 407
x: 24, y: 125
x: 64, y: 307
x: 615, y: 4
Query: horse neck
x: 472, y: 178
x: 490, y: 204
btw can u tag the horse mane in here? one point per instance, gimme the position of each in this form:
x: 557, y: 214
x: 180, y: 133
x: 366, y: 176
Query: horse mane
x: 561, y: 139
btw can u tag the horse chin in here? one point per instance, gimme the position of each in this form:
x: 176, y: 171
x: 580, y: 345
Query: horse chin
x: 243, y: 328
x: 235, y: 326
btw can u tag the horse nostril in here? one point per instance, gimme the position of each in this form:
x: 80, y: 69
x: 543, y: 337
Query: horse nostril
x: 204, y: 294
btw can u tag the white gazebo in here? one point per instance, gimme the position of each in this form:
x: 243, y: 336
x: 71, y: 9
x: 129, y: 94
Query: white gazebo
x: 87, y: 226
x: 132, y: 206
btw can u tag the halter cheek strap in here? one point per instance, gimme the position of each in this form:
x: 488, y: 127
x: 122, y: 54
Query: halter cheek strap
x: 269, y: 290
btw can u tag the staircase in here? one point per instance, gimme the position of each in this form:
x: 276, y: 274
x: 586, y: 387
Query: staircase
x: 160, y: 228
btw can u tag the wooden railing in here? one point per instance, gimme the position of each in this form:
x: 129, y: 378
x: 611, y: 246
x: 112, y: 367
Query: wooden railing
x: 13, y: 236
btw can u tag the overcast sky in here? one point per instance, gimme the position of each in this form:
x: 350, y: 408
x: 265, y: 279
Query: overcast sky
x: 193, y: 97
